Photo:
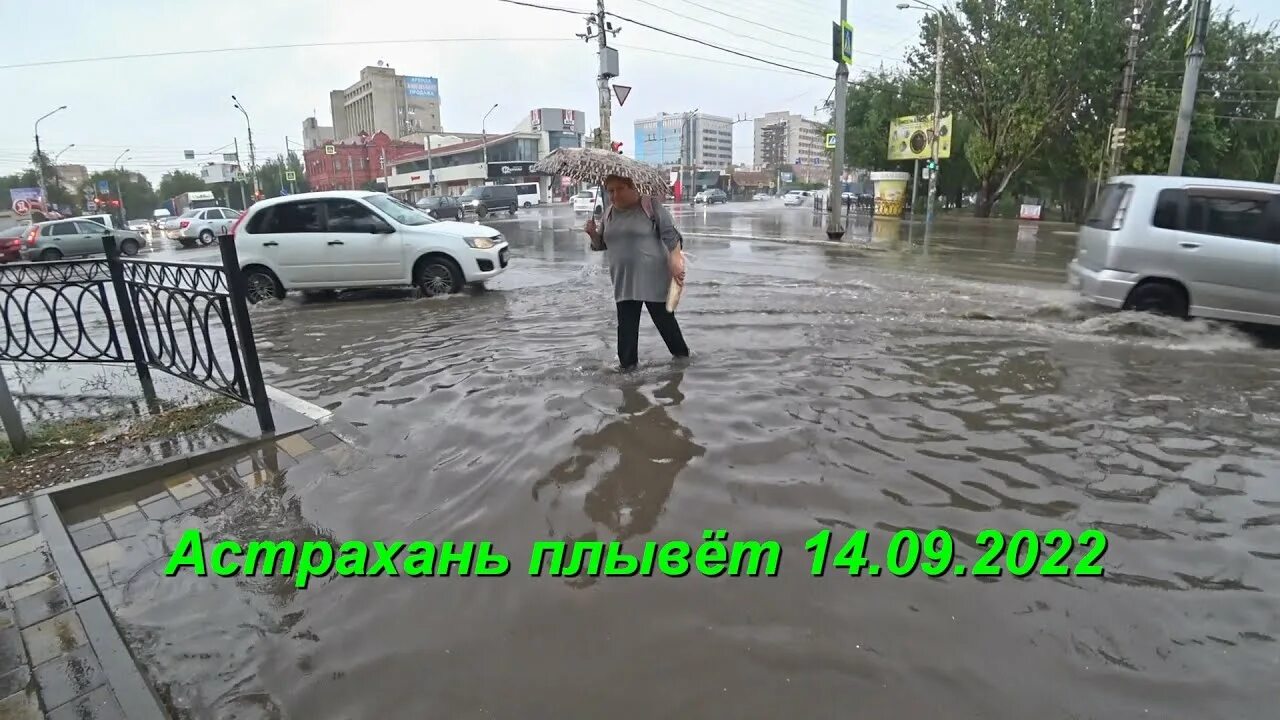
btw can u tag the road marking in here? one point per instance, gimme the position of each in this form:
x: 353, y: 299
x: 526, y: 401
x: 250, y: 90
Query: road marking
x: 298, y: 405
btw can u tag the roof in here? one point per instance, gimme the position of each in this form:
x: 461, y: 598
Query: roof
x: 456, y: 148
x: 317, y: 195
x: 1170, y: 181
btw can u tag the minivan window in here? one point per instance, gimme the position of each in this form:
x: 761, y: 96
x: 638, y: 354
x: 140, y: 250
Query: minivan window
x: 1168, y: 203
x: 1232, y: 215
x: 1103, y: 214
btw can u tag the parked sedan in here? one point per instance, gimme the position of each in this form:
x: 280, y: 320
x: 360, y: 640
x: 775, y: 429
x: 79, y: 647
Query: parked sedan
x: 346, y: 239
x: 711, y: 197
x: 441, y: 207
x: 58, y: 239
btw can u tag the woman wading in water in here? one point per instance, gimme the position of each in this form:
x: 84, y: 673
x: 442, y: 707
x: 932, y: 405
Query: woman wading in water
x: 643, y: 259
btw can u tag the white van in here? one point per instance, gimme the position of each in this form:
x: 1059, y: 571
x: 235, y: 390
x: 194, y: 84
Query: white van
x: 527, y: 194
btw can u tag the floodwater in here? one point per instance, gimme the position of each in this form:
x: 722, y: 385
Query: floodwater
x: 883, y: 384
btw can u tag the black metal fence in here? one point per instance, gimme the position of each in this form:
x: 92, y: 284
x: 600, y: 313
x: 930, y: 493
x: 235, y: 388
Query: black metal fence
x: 190, y: 321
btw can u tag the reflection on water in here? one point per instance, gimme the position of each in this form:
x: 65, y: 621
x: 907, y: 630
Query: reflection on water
x: 646, y: 450
x: 867, y: 386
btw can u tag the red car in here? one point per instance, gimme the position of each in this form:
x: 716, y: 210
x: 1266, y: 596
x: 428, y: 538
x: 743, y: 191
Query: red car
x: 11, y: 242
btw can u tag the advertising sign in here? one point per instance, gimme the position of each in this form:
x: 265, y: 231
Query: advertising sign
x: 423, y: 87
x: 535, y: 120
x: 499, y: 170
x: 566, y: 118
x: 910, y: 137
x: 24, y: 200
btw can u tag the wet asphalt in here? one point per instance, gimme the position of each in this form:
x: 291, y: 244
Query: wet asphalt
x: 896, y: 380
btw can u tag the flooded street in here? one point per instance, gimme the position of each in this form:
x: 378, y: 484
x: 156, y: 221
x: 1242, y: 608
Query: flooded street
x: 888, y: 382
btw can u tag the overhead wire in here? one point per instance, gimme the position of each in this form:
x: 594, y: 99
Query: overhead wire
x: 731, y: 32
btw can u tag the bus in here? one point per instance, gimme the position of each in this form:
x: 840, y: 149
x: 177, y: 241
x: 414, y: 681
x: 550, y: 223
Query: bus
x: 527, y: 194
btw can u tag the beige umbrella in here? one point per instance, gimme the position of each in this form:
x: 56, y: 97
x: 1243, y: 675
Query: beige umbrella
x: 589, y: 165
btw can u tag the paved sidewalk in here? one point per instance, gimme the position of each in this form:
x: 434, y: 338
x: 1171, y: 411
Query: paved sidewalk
x: 60, y: 658
x: 62, y: 568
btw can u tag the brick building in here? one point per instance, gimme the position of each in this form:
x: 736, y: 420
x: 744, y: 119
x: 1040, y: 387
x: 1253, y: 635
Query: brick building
x: 355, y: 164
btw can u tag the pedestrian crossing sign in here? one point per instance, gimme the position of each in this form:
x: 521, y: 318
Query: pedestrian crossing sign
x: 831, y: 140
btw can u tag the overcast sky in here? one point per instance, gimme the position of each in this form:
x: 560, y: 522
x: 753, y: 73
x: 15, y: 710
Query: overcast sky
x: 482, y: 51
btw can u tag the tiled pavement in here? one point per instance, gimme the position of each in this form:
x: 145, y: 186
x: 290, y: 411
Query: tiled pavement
x: 61, y: 655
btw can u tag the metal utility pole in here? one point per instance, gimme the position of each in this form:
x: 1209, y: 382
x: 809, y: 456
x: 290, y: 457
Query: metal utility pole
x: 1276, y: 179
x: 1126, y: 92
x: 937, y: 122
x: 431, y: 174
x: 292, y: 188
x: 1199, y: 25
x: 253, y: 162
x: 484, y: 141
x: 115, y: 165
x: 244, y: 202
x: 598, y: 29
x: 44, y: 195
x: 686, y: 152
x: 842, y: 45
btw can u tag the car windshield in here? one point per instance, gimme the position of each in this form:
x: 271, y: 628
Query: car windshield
x: 400, y: 212
x: 584, y: 196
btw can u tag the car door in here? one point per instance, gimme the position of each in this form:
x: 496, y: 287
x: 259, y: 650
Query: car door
x: 220, y: 221
x: 62, y: 236
x: 90, y: 237
x: 291, y: 235
x: 1226, y: 255
x: 363, y: 248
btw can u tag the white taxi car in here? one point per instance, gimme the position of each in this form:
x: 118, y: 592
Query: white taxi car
x: 346, y: 239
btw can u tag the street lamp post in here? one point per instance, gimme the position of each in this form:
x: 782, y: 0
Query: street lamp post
x: 253, y: 163
x: 484, y: 141
x: 57, y: 179
x: 115, y: 165
x: 937, y: 103
x: 44, y: 197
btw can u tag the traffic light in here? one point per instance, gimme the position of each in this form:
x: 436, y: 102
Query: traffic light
x: 931, y: 164
x: 115, y: 203
x: 1117, y: 138
x: 616, y: 146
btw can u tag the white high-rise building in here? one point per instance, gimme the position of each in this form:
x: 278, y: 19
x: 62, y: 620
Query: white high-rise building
x: 792, y: 143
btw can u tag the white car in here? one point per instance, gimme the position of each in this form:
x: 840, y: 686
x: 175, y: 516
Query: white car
x: 796, y: 197
x: 200, y: 226
x: 590, y: 201
x: 761, y: 196
x: 345, y: 239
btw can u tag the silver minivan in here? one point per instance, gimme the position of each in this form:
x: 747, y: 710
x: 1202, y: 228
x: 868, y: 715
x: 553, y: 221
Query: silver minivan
x: 1183, y: 246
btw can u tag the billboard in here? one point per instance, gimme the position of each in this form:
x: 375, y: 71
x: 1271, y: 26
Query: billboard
x: 422, y: 87
x: 24, y: 200
x: 910, y: 136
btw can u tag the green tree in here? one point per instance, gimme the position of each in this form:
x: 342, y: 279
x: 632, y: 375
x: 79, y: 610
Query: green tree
x: 271, y: 175
x: 133, y: 190
x: 176, y: 182
x: 1013, y: 70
